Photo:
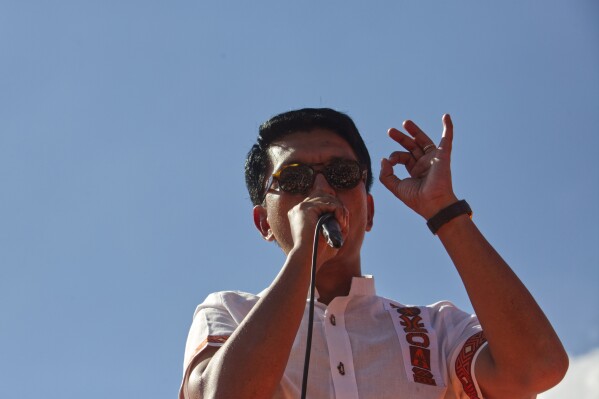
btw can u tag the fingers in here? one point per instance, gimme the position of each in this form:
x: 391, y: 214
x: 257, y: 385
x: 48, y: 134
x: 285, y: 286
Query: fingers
x: 406, y: 142
x: 447, y: 138
x: 321, y: 203
x: 416, y: 168
x: 404, y: 158
x: 419, y: 144
x: 420, y: 137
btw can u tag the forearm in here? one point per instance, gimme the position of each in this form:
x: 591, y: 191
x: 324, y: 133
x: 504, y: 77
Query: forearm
x: 522, y: 342
x: 252, y: 362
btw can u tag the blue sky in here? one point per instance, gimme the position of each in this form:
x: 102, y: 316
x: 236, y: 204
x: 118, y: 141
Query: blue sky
x: 124, y: 127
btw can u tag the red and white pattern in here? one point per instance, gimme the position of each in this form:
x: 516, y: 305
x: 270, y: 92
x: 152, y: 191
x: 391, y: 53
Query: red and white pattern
x: 418, y: 342
x: 463, y: 364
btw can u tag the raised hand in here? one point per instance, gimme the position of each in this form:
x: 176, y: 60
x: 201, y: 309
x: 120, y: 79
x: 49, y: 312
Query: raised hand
x: 429, y: 188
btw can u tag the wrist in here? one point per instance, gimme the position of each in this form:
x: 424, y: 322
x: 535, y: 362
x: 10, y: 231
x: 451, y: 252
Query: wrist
x: 436, y: 206
x: 454, y: 226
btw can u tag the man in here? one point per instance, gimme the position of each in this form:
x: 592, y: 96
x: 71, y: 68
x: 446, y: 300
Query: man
x: 310, y: 162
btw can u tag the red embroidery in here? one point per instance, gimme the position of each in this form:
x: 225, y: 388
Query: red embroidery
x: 420, y: 357
x: 419, y: 341
x: 463, y: 363
x: 423, y: 376
x: 217, y: 339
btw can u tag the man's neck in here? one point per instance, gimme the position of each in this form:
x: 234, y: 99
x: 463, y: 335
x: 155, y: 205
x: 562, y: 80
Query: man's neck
x: 335, y: 279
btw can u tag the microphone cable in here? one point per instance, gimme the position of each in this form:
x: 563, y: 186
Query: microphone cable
x: 319, y: 224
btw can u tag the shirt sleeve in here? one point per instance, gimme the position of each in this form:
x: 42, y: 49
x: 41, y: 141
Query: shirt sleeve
x: 211, y: 326
x: 213, y: 323
x: 462, y: 339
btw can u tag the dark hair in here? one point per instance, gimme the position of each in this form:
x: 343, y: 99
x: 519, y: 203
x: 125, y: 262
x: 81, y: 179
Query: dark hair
x: 304, y: 120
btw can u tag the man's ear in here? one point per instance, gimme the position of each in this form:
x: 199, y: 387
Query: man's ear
x: 261, y: 222
x: 370, y: 212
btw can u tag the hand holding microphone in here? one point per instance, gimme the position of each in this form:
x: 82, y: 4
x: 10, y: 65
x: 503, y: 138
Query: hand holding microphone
x: 320, y: 214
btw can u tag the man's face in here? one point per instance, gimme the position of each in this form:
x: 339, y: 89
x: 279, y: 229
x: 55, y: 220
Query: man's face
x: 320, y: 146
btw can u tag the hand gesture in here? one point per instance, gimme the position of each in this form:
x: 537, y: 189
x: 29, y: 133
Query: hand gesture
x: 429, y: 188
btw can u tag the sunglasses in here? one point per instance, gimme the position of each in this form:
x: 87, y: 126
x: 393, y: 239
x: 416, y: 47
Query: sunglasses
x: 298, y: 178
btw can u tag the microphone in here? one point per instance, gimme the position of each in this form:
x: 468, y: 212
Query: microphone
x: 332, y: 231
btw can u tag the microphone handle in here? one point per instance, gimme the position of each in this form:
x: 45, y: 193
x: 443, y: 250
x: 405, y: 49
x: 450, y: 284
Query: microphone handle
x: 332, y: 231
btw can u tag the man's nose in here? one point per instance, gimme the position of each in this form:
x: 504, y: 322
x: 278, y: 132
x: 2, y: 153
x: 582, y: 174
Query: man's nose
x: 322, y: 185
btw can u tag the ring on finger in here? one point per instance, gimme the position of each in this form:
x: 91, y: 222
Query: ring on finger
x: 428, y: 147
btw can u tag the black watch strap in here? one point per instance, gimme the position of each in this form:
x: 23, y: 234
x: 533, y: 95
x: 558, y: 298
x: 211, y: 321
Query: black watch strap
x: 446, y: 214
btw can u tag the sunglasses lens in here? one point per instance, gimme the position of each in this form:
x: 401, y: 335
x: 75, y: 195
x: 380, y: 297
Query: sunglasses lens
x: 343, y: 174
x: 296, y: 179
x: 299, y: 178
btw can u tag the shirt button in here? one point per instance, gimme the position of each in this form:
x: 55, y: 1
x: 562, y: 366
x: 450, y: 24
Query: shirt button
x: 341, y: 368
x: 332, y: 318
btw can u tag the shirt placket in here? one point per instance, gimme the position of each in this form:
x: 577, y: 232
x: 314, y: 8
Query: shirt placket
x: 340, y: 354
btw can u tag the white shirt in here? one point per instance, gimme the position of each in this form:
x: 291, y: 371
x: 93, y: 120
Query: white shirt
x: 363, y: 346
